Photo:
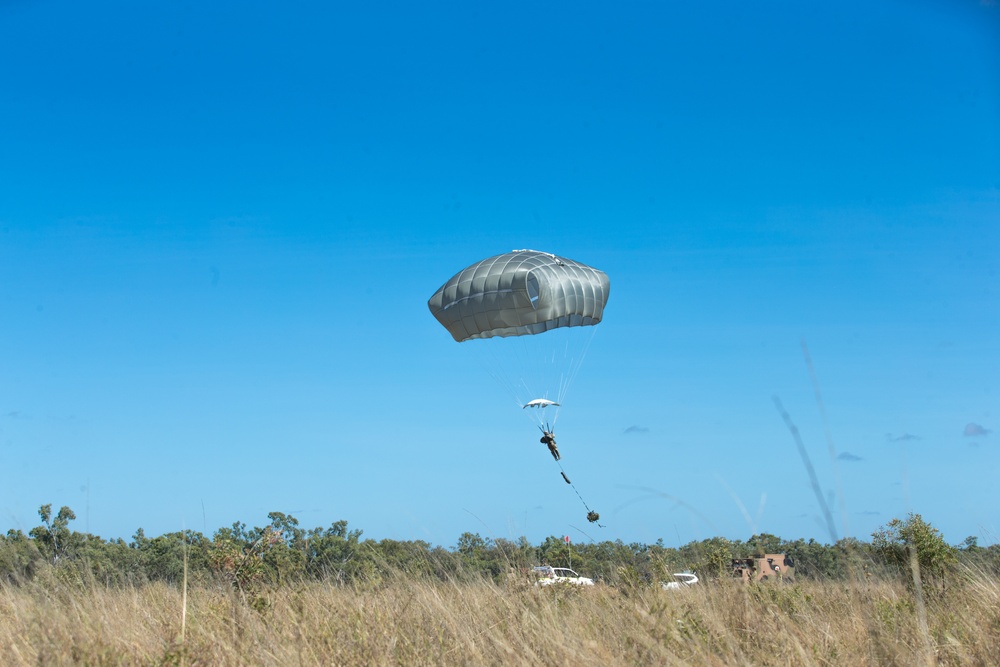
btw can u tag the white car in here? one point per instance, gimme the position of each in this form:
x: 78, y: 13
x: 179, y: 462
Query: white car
x: 681, y: 580
x: 549, y: 575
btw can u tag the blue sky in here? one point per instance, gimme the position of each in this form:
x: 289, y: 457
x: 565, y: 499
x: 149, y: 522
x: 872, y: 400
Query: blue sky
x: 220, y: 225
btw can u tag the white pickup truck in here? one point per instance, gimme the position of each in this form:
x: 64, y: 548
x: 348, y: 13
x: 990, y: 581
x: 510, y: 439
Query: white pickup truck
x: 681, y: 580
x: 548, y: 576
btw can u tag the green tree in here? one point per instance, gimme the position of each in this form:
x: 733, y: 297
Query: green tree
x: 970, y: 544
x: 53, y: 537
x: 411, y: 558
x: 713, y: 557
x: 556, y: 552
x: 334, y: 553
x: 19, y: 556
x: 286, y: 560
x: 901, y: 539
x: 244, y: 567
x: 162, y: 558
x: 475, y: 555
x: 516, y: 555
x: 765, y: 543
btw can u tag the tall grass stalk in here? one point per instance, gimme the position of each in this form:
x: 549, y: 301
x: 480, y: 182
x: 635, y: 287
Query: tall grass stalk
x: 184, y: 591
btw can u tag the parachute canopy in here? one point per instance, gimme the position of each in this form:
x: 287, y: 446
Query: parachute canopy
x: 539, y: 403
x: 520, y: 293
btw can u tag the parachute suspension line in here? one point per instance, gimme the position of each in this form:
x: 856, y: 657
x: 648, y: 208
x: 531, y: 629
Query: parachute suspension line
x: 525, y: 367
x: 532, y: 367
x: 574, y: 366
x: 500, y: 369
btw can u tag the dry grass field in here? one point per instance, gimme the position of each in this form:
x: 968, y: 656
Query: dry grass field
x: 401, y: 622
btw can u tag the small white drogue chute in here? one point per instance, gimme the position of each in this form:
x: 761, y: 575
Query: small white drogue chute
x: 539, y: 403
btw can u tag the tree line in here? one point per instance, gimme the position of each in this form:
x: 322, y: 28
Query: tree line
x: 282, y: 552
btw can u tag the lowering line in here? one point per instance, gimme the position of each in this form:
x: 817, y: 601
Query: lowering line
x: 592, y: 516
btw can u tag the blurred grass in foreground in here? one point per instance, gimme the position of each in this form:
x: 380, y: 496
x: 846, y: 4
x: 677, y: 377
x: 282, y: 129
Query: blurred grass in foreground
x: 395, y: 620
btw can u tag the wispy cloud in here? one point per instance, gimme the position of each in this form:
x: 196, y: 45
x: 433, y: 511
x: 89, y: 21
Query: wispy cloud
x: 901, y: 438
x: 869, y: 513
x: 847, y: 456
x: 973, y: 430
x: 636, y: 429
